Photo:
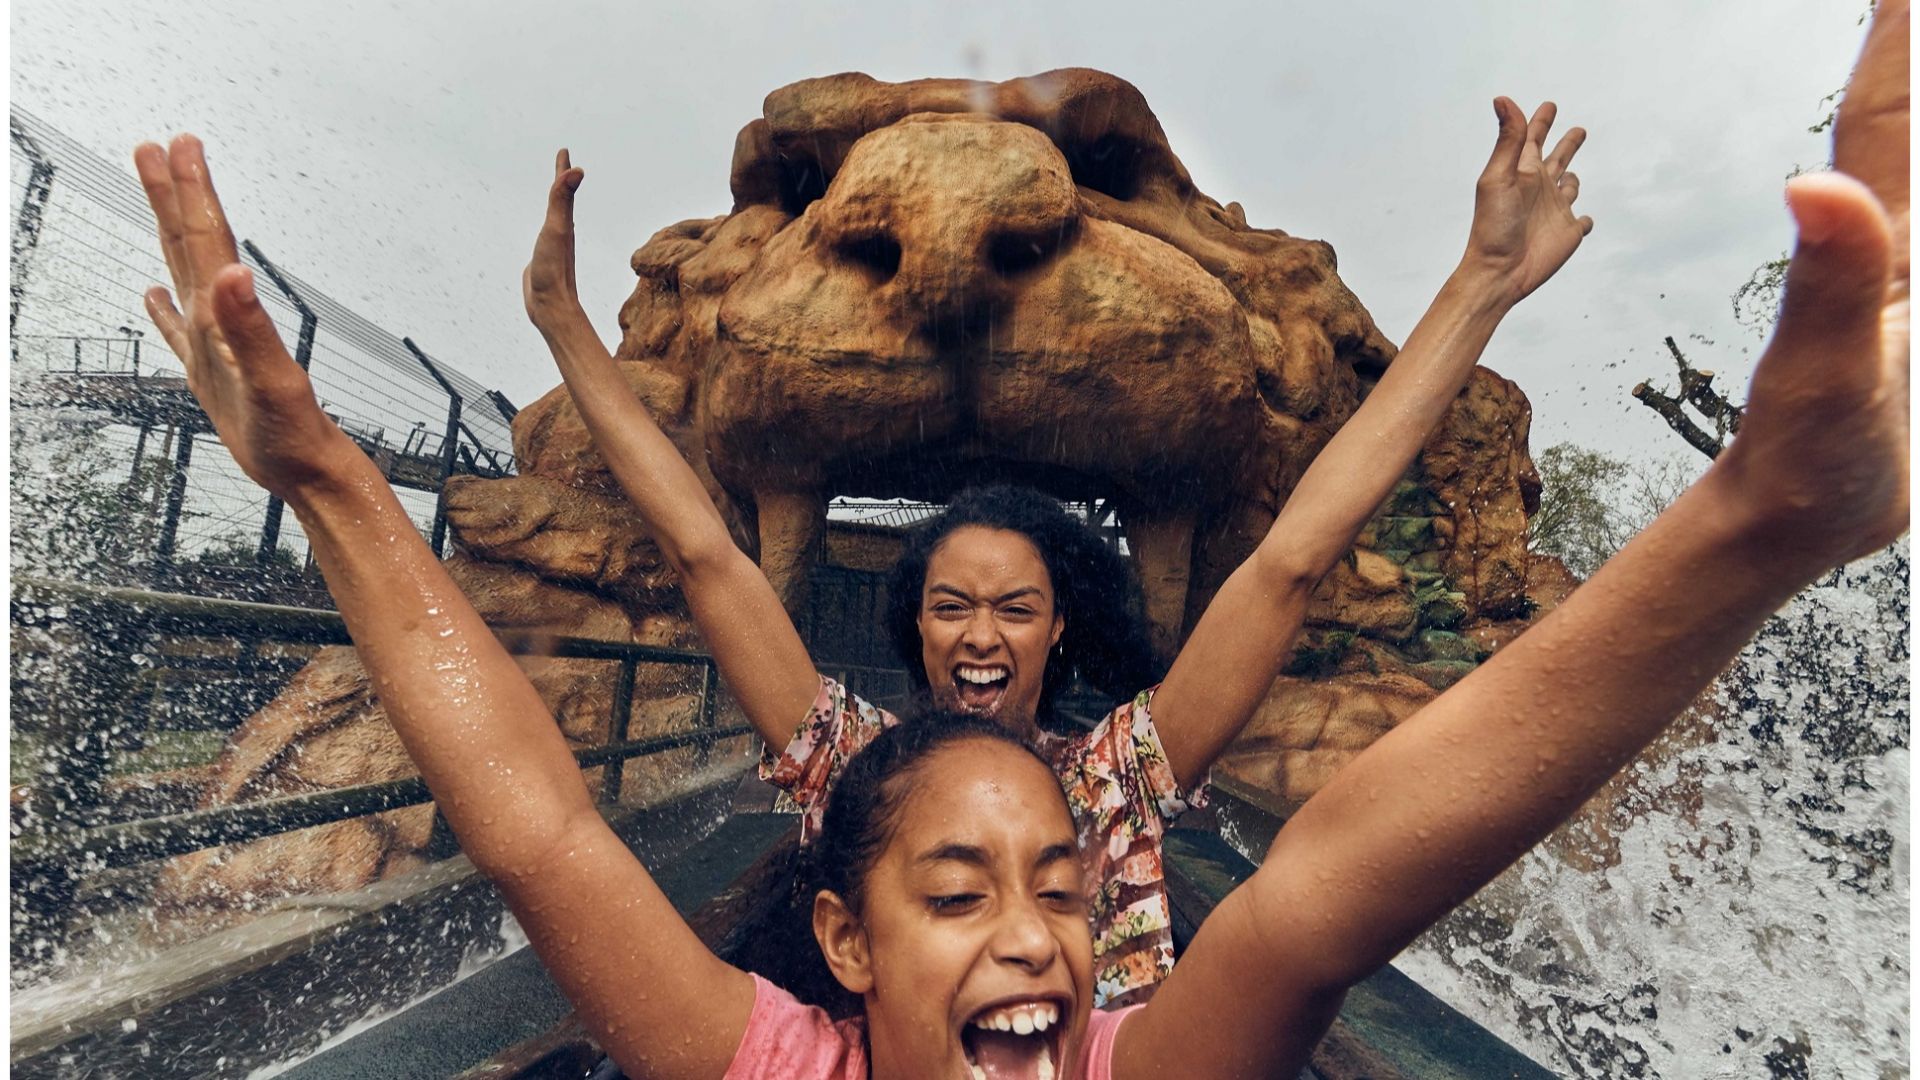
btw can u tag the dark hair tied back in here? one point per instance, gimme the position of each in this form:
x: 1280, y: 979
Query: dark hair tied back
x: 1093, y: 587
x: 776, y: 940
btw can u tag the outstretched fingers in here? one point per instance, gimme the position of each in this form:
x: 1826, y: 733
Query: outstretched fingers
x: 566, y: 181
x: 249, y: 331
x: 1836, y: 283
x: 1563, y: 151
x: 1512, y: 139
x: 1539, y: 127
x: 1569, y: 186
x: 173, y: 330
x: 1872, y: 136
x: 206, y: 238
x: 156, y: 177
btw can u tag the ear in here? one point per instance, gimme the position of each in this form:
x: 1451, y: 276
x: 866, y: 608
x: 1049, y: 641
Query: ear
x: 1059, y: 627
x: 843, y: 941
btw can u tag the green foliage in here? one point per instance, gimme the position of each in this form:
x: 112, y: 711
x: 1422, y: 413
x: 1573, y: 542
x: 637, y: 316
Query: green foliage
x: 1319, y: 655
x: 1592, y: 503
x: 1757, y: 303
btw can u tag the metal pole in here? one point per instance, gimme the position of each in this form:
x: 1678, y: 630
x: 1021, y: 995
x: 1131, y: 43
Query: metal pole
x: 139, y: 452
x: 500, y: 402
x: 709, y: 706
x: 26, y: 226
x: 176, y: 500
x: 617, y: 732
x: 302, y: 355
x: 447, y: 448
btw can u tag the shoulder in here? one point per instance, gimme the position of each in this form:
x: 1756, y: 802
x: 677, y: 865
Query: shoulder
x: 786, y: 1040
x: 1126, y: 744
x: 1103, y: 1026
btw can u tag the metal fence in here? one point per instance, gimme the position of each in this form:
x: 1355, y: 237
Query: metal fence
x: 105, y: 651
x: 116, y: 476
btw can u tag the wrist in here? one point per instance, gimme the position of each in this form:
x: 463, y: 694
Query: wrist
x: 340, y: 475
x: 558, y: 317
x: 1482, y: 285
x: 1758, y: 544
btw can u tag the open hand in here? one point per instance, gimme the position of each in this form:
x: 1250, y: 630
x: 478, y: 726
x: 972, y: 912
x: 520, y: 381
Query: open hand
x: 260, y: 401
x: 1523, y: 224
x: 1821, y: 461
x: 548, y: 284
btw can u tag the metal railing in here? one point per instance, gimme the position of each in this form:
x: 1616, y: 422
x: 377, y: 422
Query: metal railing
x: 127, y: 620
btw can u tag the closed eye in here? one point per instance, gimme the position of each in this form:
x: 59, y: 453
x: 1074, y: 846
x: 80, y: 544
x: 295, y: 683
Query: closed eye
x: 954, y: 903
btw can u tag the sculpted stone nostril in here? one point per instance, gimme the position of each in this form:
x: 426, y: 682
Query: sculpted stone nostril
x: 876, y: 252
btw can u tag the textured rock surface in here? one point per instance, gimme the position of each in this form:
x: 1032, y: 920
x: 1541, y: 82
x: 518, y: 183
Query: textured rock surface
x: 929, y: 284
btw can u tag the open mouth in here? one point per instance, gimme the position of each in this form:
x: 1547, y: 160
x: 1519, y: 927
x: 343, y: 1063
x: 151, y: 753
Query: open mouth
x: 980, y: 689
x: 1016, y: 1042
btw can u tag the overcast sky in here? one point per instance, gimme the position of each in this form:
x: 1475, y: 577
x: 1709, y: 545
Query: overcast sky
x: 397, y: 155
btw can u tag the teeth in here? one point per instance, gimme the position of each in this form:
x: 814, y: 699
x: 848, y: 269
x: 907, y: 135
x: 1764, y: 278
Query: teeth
x: 1022, y: 1019
x: 988, y: 675
x: 1045, y: 1071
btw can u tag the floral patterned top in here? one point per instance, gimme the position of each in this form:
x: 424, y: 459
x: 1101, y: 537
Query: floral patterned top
x: 1118, y: 784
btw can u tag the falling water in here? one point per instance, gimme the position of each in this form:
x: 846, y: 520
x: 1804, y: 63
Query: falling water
x: 1755, y: 921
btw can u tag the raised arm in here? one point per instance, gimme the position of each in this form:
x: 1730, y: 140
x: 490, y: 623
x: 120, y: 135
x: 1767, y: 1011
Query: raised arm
x: 1819, y: 475
x: 482, y: 738
x: 1523, y: 231
x: 741, y: 619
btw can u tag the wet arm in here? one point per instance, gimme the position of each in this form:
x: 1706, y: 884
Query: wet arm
x: 482, y: 738
x: 1438, y: 806
x: 1245, y: 636
x: 741, y: 619
x: 1523, y: 231
x: 508, y: 785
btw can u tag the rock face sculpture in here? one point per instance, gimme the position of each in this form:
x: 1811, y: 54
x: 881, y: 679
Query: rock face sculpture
x: 936, y: 283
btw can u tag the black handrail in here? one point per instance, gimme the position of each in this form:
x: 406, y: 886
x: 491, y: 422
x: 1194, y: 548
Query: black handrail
x: 175, y: 834
x: 34, y: 853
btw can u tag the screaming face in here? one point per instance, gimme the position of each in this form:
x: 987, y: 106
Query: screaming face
x: 987, y: 622
x: 972, y: 948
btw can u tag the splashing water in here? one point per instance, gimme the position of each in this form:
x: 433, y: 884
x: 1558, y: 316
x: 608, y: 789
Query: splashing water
x: 1755, y: 920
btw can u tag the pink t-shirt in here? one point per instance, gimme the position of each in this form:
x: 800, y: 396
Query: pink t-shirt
x: 786, y: 1040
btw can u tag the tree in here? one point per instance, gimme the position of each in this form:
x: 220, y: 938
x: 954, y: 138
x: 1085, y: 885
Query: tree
x: 1592, y: 503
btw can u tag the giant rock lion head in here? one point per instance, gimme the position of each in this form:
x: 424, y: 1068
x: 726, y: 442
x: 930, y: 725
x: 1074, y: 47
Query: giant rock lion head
x: 928, y: 284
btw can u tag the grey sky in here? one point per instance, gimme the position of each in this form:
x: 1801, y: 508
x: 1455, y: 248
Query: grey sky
x: 397, y: 155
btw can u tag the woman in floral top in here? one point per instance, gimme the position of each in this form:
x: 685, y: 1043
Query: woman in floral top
x: 1005, y: 598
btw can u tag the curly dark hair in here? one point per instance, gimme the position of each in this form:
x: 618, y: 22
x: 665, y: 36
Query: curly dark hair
x: 1094, y: 590
x: 776, y: 940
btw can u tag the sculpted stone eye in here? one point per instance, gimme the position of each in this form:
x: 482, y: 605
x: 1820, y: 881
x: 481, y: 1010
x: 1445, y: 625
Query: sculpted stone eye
x: 1012, y: 253
x: 1108, y: 165
x: 802, y: 180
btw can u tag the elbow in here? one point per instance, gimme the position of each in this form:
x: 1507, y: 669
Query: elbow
x: 706, y: 557
x: 1287, y: 570
x: 510, y: 856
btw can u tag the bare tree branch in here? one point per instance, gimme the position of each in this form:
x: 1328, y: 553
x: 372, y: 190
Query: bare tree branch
x: 1677, y: 419
x: 1697, y: 387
